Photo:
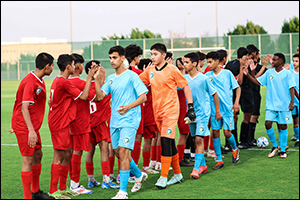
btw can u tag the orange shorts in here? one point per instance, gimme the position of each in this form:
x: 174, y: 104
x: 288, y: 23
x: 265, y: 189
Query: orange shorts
x: 25, y: 149
x: 61, y: 139
x: 80, y: 142
x: 167, y: 128
x: 99, y: 133
x: 150, y: 131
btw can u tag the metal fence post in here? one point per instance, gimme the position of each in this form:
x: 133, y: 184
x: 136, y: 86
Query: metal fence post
x: 200, y: 42
x: 92, y: 51
x: 259, y: 44
x: 18, y: 70
x: 144, y: 48
x: 229, y: 47
x: 291, y: 48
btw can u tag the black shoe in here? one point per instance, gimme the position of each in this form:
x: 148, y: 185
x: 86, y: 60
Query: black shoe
x: 253, y: 143
x: 185, y: 163
x: 41, y: 195
x: 192, y: 159
x: 296, y: 144
x: 243, y: 146
x: 227, y: 148
x: 219, y: 165
x: 223, y: 151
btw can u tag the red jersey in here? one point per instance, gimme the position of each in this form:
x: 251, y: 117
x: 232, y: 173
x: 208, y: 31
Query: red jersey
x: 81, y: 124
x: 99, y: 111
x: 182, y: 101
x: 207, y: 69
x: 62, y: 106
x: 138, y: 71
x: 32, y: 90
x: 148, y: 109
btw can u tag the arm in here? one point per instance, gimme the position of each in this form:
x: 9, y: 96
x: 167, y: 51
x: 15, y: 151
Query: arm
x: 85, y: 92
x: 251, y: 78
x: 218, y: 115
x: 188, y: 94
x: 237, y: 100
x: 124, y: 108
x: 240, y: 76
x: 190, y: 115
x: 296, y: 93
x: 265, y: 62
x: 32, y: 136
x: 292, y: 92
x: 99, y: 80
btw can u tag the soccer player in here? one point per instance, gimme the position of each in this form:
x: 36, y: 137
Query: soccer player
x: 279, y: 100
x: 224, y: 82
x: 291, y: 66
x: 99, y: 134
x: 201, y: 87
x: 201, y: 62
x: 127, y: 94
x: 164, y: 79
x: 62, y: 113
x: 27, y: 119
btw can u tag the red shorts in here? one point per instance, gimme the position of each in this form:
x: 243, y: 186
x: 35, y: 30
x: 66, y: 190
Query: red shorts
x: 61, y: 139
x: 182, y: 126
x: 99, y: 133
x: 141, y: 127
x: 80, y: 142
x: 150, y: 131
x: 25, y: 149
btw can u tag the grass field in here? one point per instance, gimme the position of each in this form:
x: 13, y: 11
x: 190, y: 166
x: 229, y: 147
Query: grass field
x: 255, y: 176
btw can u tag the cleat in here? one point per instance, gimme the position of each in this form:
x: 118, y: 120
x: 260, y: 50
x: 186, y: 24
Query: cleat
x: 205, y: 153
x: 243, y: 146
x: 113, y: 178
x: 279, y: 149
x: 177, y: 178
x: 152, y: 164
x: 92, y: 184
x: 219, y: 165
x: 81, y: 190
x: 68, y: 192
x: 195, y: 174
x: 283, y: 154
x: 273, y: 152
x: 158, y: 166
x: 131, y: 179
x: 58, y: 195
x: 227, y: 148
x: 253, y: 143
x: 118, y: 179
x: 296, y: 144
x: 121, y: 195
x: 235, y: 155
x: 137, y: 186
x: 110, y: 185
x: 192, y: 159
x: 185, y: 163
x: 148, y: 170
x: 161, y: 183
x: 294, y: 138
x: 211, y: 154
x: 202, y: 169
x: 41, y: 195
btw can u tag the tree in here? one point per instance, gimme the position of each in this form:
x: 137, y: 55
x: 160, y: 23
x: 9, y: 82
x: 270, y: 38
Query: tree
x: 291, y: 26
x: 249, y: 29
x: 135, y: 34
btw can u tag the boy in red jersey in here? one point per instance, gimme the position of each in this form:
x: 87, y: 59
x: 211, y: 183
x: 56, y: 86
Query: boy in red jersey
x: 100, y: 134
x: 62, y: 113
x: 27, y: 118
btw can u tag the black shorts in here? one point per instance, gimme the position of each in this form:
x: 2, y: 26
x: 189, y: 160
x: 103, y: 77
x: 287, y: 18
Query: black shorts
x: 257, y: 102
x: 247, y: 101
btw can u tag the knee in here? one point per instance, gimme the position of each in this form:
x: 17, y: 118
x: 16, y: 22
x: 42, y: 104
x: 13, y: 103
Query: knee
x: 268, y: 125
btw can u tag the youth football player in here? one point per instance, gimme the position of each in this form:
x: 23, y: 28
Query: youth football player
x: 62, y: 113
x: 127, y: 94
x: 224, y: 82
x: 295, y: 112
x: 201, y: 87
x: 27, y: 119
x: 279, y: 101
x: 164, y: 79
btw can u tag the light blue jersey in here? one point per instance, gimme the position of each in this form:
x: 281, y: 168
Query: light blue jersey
x: 278, y: 85
x: 124, y: 89
x: 224, y: 83
x: 201, y: 87
x: 296, y: 79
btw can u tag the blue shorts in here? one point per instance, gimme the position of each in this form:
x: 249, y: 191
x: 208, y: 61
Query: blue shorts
x: 199, y: 128
x: 281, y: 117
x: 123, y: 137
x: 227, y: 122
x: 295, y: 111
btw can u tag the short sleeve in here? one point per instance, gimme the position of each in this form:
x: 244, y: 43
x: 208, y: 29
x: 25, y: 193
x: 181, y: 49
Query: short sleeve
x: 105, y: 87
x: 234, y: 83
x: 71, y: 89
x: 28, y: 94
x: 209, y: 87
x: 180, y: 80
x: 145, y: 76
x: 139, y: 86
x: 263, y: 79
x: 291, y: 80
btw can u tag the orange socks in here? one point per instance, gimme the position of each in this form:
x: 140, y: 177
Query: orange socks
x: 175, y: 164
x: 165, y: 165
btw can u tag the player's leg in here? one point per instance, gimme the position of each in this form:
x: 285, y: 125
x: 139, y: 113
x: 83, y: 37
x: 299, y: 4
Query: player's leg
x: 149, y: 134
x: 254, y: 118
x: 112, y: 177
x: 152, y: 163
x: 295, y: 114
x: 284, y: 118
x: 271, y: 116
x: 215, y: 130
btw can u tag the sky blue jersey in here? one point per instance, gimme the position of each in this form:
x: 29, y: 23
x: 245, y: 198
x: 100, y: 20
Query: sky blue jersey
x: 278, y: 86
x: 224, y: 83
x: 296, y: 79
x: 201, y: 88
x: 124, y: 89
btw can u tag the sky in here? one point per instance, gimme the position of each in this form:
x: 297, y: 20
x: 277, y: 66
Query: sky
x: 92, y: 20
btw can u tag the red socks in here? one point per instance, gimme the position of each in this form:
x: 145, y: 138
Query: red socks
x: 180, y: 149
x: 55, y: 173
x: 136, y: 152
x: 36, y: 172
x: 26, y: 181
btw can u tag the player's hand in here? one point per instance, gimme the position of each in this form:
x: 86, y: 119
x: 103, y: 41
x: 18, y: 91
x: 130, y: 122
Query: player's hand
x: 265, y: 60
x: 190, y: 115
x: 11, y: 131
x: 252, y: 65
x: 218, y: 116
x: 287, y: 66
x: 245, y: 70
x: 291, y: 106
x: 123, y: 110
x: 235, y: 108
x: 32, y: 138
x: 270, y: 57
x: 180, y: 66
x: 93, y: 69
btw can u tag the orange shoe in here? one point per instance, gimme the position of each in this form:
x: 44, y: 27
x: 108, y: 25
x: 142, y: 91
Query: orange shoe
x: 219, y: 165
x: 235, y: 155
x: 202, y: 169
x: 194, y: 174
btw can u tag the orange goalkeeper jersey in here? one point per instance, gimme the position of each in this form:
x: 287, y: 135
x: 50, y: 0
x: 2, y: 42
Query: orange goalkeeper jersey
x: 164, y: 84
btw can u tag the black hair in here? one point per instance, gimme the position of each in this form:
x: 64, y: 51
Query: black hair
x: 43, y: 59
x: 296, y: 55
x: 252, y: 48
x: 64, y: 60
x: 242, y: 51
x: 201, y: 55
x: 192, y: 56
x: 78, y: 58
x: 223, y: 54
x: 159, y: 47
x: 144, y: 61
x: 180, y: 60
x: 280, y: 56
x: 213, y: 55
x: 88, y: 65
x: 132, y: 51
x: 169, y: 55
x: 119, y: 49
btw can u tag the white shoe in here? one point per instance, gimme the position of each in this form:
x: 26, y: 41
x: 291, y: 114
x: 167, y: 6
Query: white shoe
x: 138, y: 184
x: 148, y: 170
x: 121, y: 195
x: 211, y: 154
x: 81, y: 190
x: 158, y: 166
x: 152, y: 164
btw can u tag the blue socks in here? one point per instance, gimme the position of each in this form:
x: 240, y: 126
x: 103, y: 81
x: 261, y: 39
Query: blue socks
x: 272, y: 137
x: 198, y: 161
x: 134, y: 169
x: 296, y: 131
x: 232, y: 142
x: 217, y: 146
x: 124, y: 176
x: 203, y: 163
x: 283, y: 136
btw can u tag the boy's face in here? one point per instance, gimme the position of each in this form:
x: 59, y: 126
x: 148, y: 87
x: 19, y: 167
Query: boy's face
x: 49, y: 69
x: 188, y: 65
x: 276, y: 62
x: 201, y: 63
x: 71, y: 68
x: 212, y: 64
x: 137, y: 59
x: 116, y: 60
x: 80, y: 67
x: 157, y: 57
x: 296, y: 62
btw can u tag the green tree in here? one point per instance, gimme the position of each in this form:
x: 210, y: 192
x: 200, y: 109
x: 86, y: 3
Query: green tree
x: 249, y: 29
x: 291, y: 26
x: 135, y: 34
